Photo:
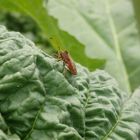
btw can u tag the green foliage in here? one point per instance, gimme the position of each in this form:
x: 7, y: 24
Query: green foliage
x: 35, y: 9
x: 37, y: 102
x: 104, y: 30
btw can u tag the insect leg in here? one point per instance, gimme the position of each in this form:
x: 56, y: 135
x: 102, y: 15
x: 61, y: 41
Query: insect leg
x: 57, y: 56
x: 64, y: 69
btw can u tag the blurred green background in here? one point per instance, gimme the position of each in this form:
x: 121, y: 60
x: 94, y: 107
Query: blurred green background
x: 24, y: 24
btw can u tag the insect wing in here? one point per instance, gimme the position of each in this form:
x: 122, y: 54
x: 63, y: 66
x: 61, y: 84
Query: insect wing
x: 71, y: 66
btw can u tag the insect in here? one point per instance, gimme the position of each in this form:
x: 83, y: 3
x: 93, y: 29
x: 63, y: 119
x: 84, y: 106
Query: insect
x: 66, y: 58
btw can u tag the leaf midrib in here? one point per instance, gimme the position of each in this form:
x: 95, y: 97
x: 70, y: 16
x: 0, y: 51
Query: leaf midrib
x: 117, y: 44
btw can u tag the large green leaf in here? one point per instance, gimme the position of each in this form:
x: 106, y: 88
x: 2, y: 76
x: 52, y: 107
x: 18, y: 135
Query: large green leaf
x: 39, y: 102
x: 35, y: 9
x: 108, y: 30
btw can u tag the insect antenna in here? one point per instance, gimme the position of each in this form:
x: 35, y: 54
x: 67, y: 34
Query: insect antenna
x: 55, y: 43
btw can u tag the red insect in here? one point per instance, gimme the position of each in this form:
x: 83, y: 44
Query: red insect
x: 66, y: 58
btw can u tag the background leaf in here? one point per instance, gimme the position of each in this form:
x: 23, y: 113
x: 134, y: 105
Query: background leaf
x: 108, y: 30
x: 35, y: 9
